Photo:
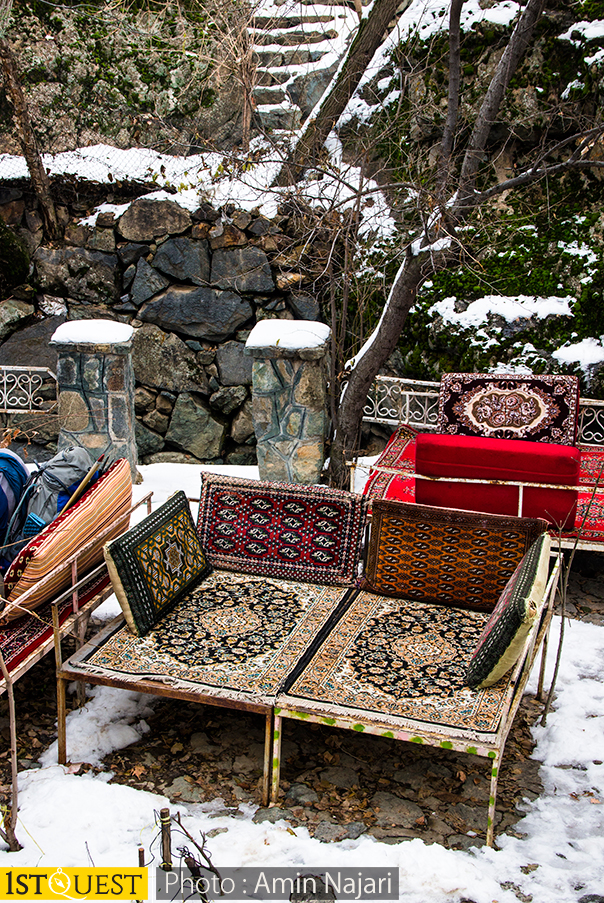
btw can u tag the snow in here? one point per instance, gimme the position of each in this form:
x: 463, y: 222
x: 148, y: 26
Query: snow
x: 97, y: 332
x: 288, y: 334
x: 522, y: 306
x: 586, y: 353
x: 66, y: 819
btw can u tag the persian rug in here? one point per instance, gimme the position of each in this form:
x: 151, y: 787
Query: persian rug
x: 155, y: 563
x: 397, y: 458
x: 26, y: 634
x: 232, y: 632
x: 539, y: 408
x: 592, y: 465
x: 402, y: 659
x: 444, y: 555
x: 307, y: 533
x: 589, y: 522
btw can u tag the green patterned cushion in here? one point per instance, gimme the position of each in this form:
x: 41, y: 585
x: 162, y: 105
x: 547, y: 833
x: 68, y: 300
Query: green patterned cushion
x: 156, y: 563
x: 505, y: 633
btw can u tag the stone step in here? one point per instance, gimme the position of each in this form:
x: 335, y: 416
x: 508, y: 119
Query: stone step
x: 267, y: 77
x: 264, y: 95
x: 273, y: 59
x: 289, y: 21
x: 286, y: 117
x: 293, y: 38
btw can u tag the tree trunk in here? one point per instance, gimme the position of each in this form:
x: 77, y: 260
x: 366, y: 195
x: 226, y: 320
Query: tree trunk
x: 367, y: 40
x: 350, y: 411
x: 39, y: 178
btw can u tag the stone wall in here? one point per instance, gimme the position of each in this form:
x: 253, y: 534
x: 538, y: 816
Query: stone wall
x: 193, y: 284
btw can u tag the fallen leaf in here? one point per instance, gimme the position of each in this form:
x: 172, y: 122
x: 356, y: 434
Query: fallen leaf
x: 138, y: 770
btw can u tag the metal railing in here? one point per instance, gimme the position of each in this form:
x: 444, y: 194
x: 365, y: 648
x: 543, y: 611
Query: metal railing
x: 393, y: 400
x: 27, y: 390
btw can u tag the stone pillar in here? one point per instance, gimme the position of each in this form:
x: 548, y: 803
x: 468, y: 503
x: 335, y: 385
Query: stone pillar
x: 289, y: 398
x: 96, y: 387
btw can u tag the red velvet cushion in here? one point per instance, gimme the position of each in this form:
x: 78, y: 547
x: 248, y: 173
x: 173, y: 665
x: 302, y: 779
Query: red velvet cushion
x: 476, y: 457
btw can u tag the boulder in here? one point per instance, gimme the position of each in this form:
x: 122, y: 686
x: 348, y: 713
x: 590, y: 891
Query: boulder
x: 242, y: 428
x: 13, y: 313
x: 88, y: 276
x: 145, y: 220
x: 228, y: 399
x: 30, y: 346
x: 164, y: 361
x: 147, y: 282
x: 304, y: 306
x: 147, y: 442
x: 200, y: 312
x: 242, y: 269
x: 186, y: 260
x: 234, y: 366
x: 193, y: 428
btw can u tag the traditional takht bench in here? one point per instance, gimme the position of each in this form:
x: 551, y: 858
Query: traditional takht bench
x: 265, y: 607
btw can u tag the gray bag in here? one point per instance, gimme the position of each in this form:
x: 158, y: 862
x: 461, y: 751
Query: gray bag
x: 56, y: 481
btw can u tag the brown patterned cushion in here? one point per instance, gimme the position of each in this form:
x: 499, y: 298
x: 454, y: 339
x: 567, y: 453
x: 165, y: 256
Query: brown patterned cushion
x: 156, y: 563
x: 505, y: 633
x: 444, y: 555
x: 538, y: 408
x: 306, y: 533
x: 106, y: 502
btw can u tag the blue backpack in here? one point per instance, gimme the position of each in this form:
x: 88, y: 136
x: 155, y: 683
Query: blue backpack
x: 13, y: 477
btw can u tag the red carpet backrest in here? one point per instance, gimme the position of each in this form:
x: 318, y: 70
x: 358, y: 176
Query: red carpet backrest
x: 306, y: 533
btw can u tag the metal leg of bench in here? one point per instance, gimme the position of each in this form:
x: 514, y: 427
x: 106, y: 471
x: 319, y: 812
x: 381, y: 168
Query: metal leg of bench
x: 61, y: 724
x: 268, y: 749
x: 277, y: 731
x: 495, y: 763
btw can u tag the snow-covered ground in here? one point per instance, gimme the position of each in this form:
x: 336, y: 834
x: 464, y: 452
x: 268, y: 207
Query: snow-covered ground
x: 68, y: 819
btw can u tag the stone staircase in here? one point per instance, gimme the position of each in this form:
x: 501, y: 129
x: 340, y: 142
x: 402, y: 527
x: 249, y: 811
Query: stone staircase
x: 298, y: 45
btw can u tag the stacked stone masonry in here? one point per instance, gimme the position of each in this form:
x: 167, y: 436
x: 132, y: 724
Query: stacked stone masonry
x: 193, y: 285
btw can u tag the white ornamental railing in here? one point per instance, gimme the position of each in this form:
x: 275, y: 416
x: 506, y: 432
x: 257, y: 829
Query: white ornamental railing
x: 415, y: 402
x: 27, y: 390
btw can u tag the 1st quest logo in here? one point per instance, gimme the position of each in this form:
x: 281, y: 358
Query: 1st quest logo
x: 73, y: 884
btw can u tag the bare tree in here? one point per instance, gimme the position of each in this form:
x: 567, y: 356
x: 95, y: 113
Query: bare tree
x: 454, y: 196
x: 25, y: 132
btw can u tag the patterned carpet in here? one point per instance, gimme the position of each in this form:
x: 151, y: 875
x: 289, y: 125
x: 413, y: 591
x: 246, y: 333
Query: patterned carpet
x: 236, y: 632
x: 405, y: 660
x: 24, y: 635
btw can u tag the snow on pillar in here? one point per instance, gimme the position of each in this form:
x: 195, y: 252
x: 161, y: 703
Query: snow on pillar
x: 96, y: 387
x: 289, y: 398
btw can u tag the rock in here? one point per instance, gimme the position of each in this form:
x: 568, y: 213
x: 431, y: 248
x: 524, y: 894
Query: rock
x: 185, y: 260
x: 12, y: 313
x: 241, y: 218
x: 241, y: 456
x: 201, y: 744
x: 392, y: 810
x: 102, y: 240
x: 226, y: 235
x: 131, y: 253
x: 147, y: 282
x: 245, y: 764
x: 306, y: 90
x: 88, y: 276
x: 330, y: 833
x: 301, y: 793
x: 205, y: 213
x: 355, y: 829
x: 271, y: 815
x: 474, y: 817
x: 193, y: 429
x: 163, y: 360
x: 242, y: 269
x: 200, y: 312
x: 184, y: 790
x: 304, y: 306
x: 345, y: 778
x: 171, y: 457
x: 156, y: 421
x: 144, y: 400
x: 228, y: 399
x: 463, y: 842
x: 145, y: 220
x: 242, y: 427
x: 147, y: 442
x: 29, y: 346
x: 234, y: 366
